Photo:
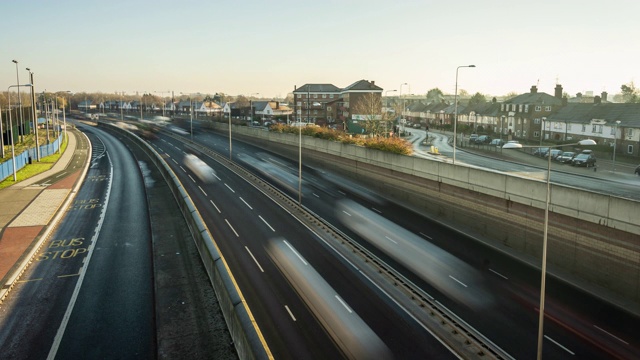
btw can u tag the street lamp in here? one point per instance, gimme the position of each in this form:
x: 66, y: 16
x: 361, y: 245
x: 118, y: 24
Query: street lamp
x: 615, y: 141
x: 190, y: 112
x: 300, y: 156
x: 13, y: 153
x: 514, y: 145
x: 403, y: 106
x: 33, y: 115
x: 21, y: 122
x: 121, y: 106
x: 163, y: 104
x: 251, y: 108
x: 455, y: 115
x: 387, y: 106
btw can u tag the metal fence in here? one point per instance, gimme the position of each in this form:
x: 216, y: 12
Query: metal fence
x: 28, y: 156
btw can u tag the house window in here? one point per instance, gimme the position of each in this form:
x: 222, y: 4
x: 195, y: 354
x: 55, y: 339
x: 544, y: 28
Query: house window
x: 328, y: 108
x: 330, y: 96
x: 513, y: 107
x: 315, y: 112
x: 596, y: 129
x: 520, y: 108
x: 315, y: 96
x: 629, y: 133
x: 568, y: 127
x: 526, y: 108
x: 299, y: 103
x: 538, y: 108
x: 536, y: 121
x: 629, y: 149
x: 524, y: 133
x: 547, y: 108
x: 536, y: 134
x: 329, y: 117
x: 584, y: 128
x: 613, y: 131
x: 324, y: 96
x: 502, y: 107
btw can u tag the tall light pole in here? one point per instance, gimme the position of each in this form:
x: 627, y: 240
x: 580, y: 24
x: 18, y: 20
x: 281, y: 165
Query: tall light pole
x: 33, y: 114
x: 615, y: 141
x: 230, y: 144
x: 64, y: 116
x: 403, y: 105
x: 13, y: 153
x: 509, y: 145
x: 163, y: 104
x: 455, y: 116
x: 386, y: 98
x: 1, y: 132
x: 20, y: 122
x: 251, y: 108
x: 121, y: 106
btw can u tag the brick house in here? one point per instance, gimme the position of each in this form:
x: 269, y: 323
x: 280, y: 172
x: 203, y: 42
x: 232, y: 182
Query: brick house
x: 522, y: 116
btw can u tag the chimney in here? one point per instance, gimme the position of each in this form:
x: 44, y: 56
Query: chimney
x: 558, y: 91
x: 596, y: 99
x: 534, y: 89
x: 604, y: 96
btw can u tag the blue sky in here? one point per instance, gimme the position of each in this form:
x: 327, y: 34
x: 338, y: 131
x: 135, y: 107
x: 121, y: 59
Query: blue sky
x: 268, y: 47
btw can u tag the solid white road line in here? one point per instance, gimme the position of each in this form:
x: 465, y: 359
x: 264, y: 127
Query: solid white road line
x: 225, y: 184
x: 174, y: 160
x: 390, y: 239
x: 182, y: 168
x: 205, y: 194
x: 346, y: 213
x: 427, y: 236
x: 376, y: 210
x: 191, y: 178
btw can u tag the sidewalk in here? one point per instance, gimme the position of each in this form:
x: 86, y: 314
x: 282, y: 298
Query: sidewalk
x: 27, y: 210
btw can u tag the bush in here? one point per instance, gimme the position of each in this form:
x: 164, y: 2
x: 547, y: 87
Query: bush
x: 394, y: 145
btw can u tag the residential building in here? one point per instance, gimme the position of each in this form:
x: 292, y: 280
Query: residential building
x: 598, y: 121
x: 522, y: 116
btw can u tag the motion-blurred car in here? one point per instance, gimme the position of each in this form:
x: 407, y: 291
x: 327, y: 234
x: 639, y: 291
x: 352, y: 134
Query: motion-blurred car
x: 585, y: 158
x: 566, y: 157
x: 203, y: 171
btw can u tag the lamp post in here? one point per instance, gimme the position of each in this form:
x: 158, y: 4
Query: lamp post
x: 1, y: 137
x: 387, y: 106
x: 510, y: 145
x: 190, y: 112
x: 403, y: 106
x: 121, y: 106
x: 13, y: 153
x: 33, y: 115
x: 251, y: 108
x: 163, y: 104
x: 20, y: 121
x: 455, y: 115
x: 615, y: 141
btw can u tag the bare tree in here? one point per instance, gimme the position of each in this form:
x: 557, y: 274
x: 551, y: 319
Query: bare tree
x: 369, y: 109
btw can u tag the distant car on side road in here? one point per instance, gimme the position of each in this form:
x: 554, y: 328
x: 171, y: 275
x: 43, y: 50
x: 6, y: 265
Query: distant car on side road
x: 472, y: 138
x: 585, y: 158
x: 541, y: 151
x: 497, y: 142
x: 554, y: 153
x: 483, y: 139
x: 566, y: 157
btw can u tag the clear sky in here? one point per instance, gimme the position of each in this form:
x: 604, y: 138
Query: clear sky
x: 269, y: 47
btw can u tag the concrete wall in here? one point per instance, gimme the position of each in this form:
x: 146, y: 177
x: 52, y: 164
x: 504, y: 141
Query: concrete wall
x: 593, y: 245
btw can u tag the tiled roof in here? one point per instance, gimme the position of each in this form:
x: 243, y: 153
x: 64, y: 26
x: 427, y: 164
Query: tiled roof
x: 362, y: 85
x: 539, y: 98
x: 326, y: 88
x: 628, y: 114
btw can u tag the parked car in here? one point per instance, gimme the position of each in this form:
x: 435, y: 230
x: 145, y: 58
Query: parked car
x: 497, y: 142
x: 472, y: 138
x: 566, y: 157
x: 585, y: 158
x: 483, y: 139
x: 554, y: 153
x: 541, y: 151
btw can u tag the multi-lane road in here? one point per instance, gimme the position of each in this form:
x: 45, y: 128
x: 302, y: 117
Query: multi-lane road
x: 274, y: 256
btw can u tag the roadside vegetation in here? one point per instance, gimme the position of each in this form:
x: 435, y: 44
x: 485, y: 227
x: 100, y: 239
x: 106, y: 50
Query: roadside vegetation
x: 35, y: 168
x: 391, y: 144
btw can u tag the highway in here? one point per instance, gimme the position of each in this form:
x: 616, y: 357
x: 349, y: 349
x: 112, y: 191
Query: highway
x: 511, y: 321
x: 244, y: 221
x: 90, y: 293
